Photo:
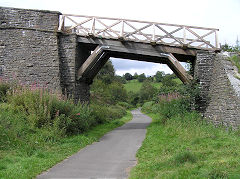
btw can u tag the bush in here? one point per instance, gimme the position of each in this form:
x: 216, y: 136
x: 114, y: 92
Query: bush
x: 100, y: 113
x: 133, y: 98
x: 115, y: 112
x: 147, y: 91
x: 44, y: 109
x: 147, y: 106
x: 4, y: 87
x: 104, y: 113
x: 117, y: 92
x: 125, y: 105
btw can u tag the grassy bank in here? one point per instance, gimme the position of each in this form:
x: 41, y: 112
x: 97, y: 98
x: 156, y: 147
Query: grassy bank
x: 135, y: 85
x: 186, y: 147
x: 16, y: 163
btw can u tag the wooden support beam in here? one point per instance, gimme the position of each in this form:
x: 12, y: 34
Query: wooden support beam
x: 91, y: 61
x: 178, y: 69
x: 98, y: 66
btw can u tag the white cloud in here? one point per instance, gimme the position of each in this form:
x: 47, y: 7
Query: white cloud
x: 129, y: 66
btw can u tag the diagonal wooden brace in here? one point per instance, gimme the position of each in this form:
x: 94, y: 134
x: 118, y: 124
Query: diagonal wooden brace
x: 91, y: 61
x: 178, y: 69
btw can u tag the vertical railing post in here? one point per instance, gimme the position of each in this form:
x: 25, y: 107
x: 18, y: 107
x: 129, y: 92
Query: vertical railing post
x: 61, y: 23
x: 122, y: 29
x: 216, y: 39
x: 93, y: 26
x: 184, y: 36
x: 154, y: 33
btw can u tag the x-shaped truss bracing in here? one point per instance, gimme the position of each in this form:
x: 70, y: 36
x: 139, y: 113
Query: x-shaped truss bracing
x: 141, y: 31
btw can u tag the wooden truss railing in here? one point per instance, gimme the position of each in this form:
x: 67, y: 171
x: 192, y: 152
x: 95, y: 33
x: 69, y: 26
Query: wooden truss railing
x: 140, y: 31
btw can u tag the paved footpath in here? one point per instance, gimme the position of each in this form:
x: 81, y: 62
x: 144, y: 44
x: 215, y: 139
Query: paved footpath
x: 111, y: 157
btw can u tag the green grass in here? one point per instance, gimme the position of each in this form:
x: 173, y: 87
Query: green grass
x: 134, y: 85
x: 187, y: 148
x: 16, y: 164
x: 236, y: 61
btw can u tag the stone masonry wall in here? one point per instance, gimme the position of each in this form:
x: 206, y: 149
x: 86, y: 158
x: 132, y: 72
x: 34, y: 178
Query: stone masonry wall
x: 203, y: 72
x: 29, y: 46
x: 33, y: 52
x: 224, y: 102
x: 71, y: 56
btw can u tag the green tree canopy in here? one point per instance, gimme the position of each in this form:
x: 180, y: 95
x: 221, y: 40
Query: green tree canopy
x: 106, y: 74
x: 142, y: 77
x: 128, y: 76
x: 159, y: 76
x: 147, y: 91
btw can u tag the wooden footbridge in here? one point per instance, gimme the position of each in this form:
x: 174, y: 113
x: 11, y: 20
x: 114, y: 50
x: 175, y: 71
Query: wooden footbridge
x: 138, y: 40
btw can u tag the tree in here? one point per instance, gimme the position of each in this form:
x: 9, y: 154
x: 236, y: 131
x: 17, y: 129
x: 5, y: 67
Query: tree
x: 117, y: 92
x: 147, y: 91
x: 168, y: 81
x: 142, y: 77
x: 159, y: 76
x: 120, y: 79
x: 135, y: 76
x: 128, y: 76
x: 106, y: 74
x: 150, y: 79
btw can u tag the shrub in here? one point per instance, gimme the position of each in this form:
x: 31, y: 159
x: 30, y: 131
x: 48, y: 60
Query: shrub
x: 4, y: 87
x: 147, y: 106
x: 100, y: 113
x: 117, y: 92
x: 133, y: 98
x: 125, y: 105
x: 147, y: 91
x: 44, y: 109
x: 115, y: 112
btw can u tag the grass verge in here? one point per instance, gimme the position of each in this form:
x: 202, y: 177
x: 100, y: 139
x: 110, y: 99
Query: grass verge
x: 184, y: 147
x: 16, y: 164
x: 236, y: 61
x: 135, y: 85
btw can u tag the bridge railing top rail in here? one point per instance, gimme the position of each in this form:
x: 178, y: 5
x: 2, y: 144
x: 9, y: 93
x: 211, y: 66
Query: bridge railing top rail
x: 141, y: 31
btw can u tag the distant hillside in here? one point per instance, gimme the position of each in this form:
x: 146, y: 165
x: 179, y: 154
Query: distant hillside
x: 135, y: 85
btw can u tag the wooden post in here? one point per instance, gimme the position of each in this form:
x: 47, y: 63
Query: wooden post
x: 153, y: 36
x: 184, y: 36
x: 93, y: 27
x: 178, y: 69
x: 122, y: 29
x: 91, y: 60
x: 61, y: 24
x: 216, y: 39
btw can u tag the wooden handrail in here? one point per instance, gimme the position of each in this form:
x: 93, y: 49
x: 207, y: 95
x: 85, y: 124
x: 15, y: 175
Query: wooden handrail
x: 140, y: 31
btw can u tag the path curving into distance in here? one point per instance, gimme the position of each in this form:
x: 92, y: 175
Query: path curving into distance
x: 111, y: 157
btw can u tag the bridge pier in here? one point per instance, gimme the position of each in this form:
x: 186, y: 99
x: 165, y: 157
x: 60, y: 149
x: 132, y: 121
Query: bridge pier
x: 203, y: 67
x: 72, y: 55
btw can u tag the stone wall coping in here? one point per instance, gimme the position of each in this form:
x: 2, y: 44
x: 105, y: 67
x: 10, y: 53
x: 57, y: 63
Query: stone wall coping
x: 34, y: 10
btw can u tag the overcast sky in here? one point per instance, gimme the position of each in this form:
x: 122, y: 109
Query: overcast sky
x: 221, y: 14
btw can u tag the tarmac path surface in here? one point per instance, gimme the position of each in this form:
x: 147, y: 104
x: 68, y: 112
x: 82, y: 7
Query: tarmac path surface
x: 112, y: 157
